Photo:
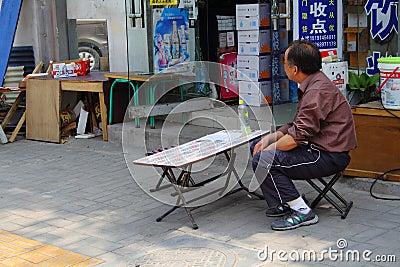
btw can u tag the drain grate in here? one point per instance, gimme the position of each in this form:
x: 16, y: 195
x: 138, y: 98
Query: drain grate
x: 182, y: 257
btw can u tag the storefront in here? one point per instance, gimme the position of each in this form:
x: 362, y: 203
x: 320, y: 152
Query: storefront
x: 357, y: 31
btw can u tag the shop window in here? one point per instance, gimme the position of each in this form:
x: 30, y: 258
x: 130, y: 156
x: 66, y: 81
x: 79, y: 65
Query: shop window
x: 371, y: 31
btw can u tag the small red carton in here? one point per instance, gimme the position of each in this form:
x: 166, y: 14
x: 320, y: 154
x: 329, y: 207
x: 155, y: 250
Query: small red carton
x: 82, y: 67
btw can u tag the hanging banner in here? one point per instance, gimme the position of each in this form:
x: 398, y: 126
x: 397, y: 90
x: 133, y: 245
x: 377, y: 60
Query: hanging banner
x: 163, y: 2
x: 319, y: 21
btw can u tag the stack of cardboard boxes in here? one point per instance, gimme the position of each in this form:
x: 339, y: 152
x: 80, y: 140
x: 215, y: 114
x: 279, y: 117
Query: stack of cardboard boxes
x: 254, y: 59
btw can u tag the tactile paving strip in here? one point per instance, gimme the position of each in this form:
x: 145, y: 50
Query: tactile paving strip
x: 19, y: 251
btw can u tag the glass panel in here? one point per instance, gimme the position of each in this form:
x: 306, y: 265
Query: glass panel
x: 93, y: 42
x: 370, y: 32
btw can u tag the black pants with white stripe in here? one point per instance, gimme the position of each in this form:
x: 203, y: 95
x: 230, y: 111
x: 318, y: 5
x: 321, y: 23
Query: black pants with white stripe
x: 276, y: 169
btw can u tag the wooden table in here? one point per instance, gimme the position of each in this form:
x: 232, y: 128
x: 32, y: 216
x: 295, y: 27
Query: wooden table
x: 378, y: 135
x: 133, y: 76
x: 43, y: 103
x: 185, y: 155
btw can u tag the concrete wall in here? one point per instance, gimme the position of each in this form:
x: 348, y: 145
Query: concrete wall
x: 24, y: 33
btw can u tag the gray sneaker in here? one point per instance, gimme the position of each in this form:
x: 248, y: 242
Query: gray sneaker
x: 294, y: 220
x: 278, y: 211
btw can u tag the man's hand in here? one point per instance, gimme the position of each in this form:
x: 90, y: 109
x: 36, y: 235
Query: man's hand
x: 267, y: 141
x: 257, y: 147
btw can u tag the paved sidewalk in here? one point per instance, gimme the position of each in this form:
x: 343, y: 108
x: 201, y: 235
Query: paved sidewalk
x: 81, y: 197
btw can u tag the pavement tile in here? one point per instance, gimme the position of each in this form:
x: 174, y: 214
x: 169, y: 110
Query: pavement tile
x: 16, y: 262
x: 34, y: 257
x: 50, y: 250
x: 66, y: 259
x: 91, y: 204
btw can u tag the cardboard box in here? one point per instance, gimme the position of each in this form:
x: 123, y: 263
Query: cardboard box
x: 337, y: 72
x: 282, y: 64
x: 256, y: 100
x: 263, y: 87
x: 284, y: 90
x: 255, y: 68
x: 254, y: 42
x: 70, y: 68
x: 358, y: 59
x: 283, y: 39
x: 252, y: 16
x: 357, y: 20
x: 281, y: 91
x: 59, y: 70
x: 357, y: 39
x: 256, y: 93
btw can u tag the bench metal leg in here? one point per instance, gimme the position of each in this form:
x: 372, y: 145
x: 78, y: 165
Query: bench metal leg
x: 184, y: 179
x: 240, y: 182
x: 167, y: 172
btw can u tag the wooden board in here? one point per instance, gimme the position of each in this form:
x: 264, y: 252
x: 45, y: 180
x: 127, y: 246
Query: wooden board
x: 82, y: 86
x: 374, y: 109
x: 378, y: 148
x: 132, y: 76
x: 9, y: 14
x: 42, y: 110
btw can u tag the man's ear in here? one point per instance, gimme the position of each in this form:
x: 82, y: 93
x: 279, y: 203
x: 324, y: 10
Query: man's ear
x: 295, y: 69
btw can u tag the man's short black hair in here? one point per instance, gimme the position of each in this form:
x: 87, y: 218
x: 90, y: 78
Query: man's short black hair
x: 305, y: 55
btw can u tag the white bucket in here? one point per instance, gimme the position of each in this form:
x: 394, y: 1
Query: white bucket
x: 390, y: 93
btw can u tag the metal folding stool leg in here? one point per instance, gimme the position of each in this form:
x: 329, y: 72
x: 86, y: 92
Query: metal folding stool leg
x: 328, y: 187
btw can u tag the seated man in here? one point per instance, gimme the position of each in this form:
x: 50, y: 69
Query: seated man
x: 315, y: 144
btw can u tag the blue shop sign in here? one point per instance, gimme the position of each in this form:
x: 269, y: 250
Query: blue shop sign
x: 318, y: 22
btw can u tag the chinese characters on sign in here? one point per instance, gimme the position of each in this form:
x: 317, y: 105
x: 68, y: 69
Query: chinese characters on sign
x: 318, y: 22
x: 373, y: 63
x: 384, y: 20
x: 163, y: 2
x: 383, y: 17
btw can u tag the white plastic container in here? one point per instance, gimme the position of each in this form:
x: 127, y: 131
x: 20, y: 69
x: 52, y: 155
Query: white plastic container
x: 391, y: 89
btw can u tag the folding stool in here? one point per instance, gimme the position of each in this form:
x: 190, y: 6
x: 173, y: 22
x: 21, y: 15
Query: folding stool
x: 327, y: 186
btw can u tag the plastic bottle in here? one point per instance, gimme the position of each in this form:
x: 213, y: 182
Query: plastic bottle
x: 167, y: 46
x: 182, y: 38
x: 244, y: 118
x: 175, y: 41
